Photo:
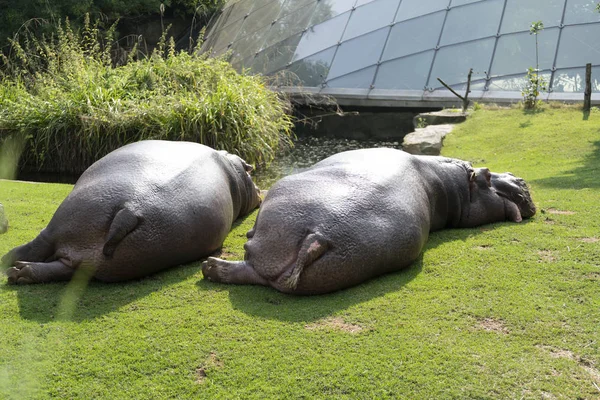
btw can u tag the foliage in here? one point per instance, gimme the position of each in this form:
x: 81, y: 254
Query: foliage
x: 534, y: 86
x: 73, y: 106
x: 30, y: 14
x: 501, y: 311
x: 535, y: 83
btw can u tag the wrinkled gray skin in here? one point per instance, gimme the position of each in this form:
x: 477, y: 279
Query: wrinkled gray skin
x: 145, y: 207
x: 364, y: 213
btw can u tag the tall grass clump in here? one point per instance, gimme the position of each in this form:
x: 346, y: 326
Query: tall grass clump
x: 71, y: 104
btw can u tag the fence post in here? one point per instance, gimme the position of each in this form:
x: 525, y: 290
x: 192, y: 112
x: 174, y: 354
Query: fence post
x: 587, y: 95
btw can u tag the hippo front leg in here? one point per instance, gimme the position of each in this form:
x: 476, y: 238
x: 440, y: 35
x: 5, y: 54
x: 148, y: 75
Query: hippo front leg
x: 235, y: 272
x: 33, y: 272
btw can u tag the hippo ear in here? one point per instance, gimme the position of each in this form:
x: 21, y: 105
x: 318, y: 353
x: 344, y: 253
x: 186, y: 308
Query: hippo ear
x: 247, y: 167
x: 512, y: 211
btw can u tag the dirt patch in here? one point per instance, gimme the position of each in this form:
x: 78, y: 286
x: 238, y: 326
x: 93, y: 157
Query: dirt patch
x: 223, y: 254
x: 493, y: 325
x: 484, y: 247
x: 335, y: 323
x: 546, y: 256
x: 559, y: 212
x: 583, y: 363
x: 595, y: 276
x: 590, y: 240
x: 211, y: 362
x: 549, y: 221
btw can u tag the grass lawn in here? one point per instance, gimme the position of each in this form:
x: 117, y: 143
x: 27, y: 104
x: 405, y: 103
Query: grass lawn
x: 501, y: 311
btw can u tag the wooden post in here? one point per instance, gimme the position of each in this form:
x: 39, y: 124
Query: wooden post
x: 587, y: 95
x: 466, y: 99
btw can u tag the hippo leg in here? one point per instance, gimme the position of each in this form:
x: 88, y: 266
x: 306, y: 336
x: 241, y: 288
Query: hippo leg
x: 236, y: 272
x: 39, y: 249
x: 38, y: 272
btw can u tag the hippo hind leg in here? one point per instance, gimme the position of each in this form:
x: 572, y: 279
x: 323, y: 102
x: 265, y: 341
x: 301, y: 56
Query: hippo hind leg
x: 39, y: 272
x: 39, y: 249
x: 235, y: 272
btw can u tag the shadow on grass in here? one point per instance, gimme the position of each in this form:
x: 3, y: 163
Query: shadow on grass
x: 582, y: 177
x: 266, y: 302
x: 42, y: 302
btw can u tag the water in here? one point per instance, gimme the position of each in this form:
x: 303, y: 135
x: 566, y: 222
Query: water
x: 308, y: 151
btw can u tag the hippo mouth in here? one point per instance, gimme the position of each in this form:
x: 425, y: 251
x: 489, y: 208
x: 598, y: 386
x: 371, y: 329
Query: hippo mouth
x: 521, y: 198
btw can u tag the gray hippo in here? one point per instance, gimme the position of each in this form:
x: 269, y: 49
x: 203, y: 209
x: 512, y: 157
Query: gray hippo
x: 144, y: 207
x: 364, y: 213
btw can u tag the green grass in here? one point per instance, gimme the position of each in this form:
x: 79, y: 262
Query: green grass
x: 501, y: 311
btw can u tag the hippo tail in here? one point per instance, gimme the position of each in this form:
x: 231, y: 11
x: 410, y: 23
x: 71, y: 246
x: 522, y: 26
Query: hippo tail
x: 313, y: 247
x: 124, y: 222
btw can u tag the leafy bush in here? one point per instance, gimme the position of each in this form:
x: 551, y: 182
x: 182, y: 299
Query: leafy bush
x: 64, y: 96
x: 16, y: 14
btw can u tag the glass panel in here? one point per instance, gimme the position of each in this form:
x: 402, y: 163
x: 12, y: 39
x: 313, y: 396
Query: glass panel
x: 219, y: 23
x: 259, y: 19
x: 240, y: 9
x: 327, y: 9
x: 578, y: 46
x: 452, y: 63
x: 516, y: 52
x: 405, y: 73
x: 226, y: 36
x: 475, y: 85
x: 414, y: 8
x: 369, y: 48
x: 261, y: 3
x: 514, y: 83
x: 313, y: 70
x: 472, y: 22
x: 247, y: 45
x: 289, y: 25
x: 461, y: 2
x: 579, y: 11
x: 409, y: 37
x: 357, y: 80
x: 322, y: 36
x: 573, y: 80
x: 520, y: 14
x: 276, y: 57
x: 368, y: 18
x: 361, y: 2
x: 292, y: 5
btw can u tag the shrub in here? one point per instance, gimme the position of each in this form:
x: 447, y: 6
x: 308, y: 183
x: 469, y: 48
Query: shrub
x: 72, y: 105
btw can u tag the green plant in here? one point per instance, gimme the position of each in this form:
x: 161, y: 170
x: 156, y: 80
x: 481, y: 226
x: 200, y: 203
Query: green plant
x: 535, y: 83
x: 421, y: 122
x: 64, y: 95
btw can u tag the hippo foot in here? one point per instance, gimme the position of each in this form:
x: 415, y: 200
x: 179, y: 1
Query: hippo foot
x: 24, y: 272
x: 20, y: 274
x: 234, y: 272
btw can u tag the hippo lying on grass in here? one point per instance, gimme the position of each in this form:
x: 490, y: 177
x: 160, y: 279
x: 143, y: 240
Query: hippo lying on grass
x: 142, y: 208
x: 363, y: 213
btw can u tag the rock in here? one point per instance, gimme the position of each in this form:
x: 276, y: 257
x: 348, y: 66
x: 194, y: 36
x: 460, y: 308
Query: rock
x: 439, y: 118
x: 3, y: 220
x: 426, y: 141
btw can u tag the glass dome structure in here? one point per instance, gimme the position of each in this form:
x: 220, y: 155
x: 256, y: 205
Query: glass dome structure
x: 391, y: 52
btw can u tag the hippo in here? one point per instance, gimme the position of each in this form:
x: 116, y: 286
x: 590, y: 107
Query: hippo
x: 363, y: 213
x: 140, y: 209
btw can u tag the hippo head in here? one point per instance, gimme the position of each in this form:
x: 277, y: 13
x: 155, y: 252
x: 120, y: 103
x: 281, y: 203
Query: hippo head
x: 497, y: 197
x: 251, y: 193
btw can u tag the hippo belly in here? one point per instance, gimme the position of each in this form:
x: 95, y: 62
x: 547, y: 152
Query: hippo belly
x: 142, y: 208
